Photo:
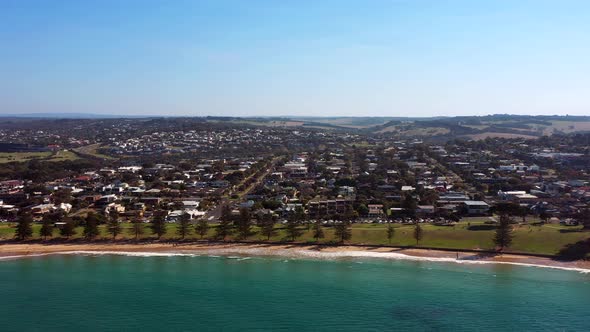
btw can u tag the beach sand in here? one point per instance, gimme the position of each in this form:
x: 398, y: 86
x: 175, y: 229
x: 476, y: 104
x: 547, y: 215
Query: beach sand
x: 16, y: 250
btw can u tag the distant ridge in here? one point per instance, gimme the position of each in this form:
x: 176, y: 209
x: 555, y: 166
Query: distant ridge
x: 74, y: 116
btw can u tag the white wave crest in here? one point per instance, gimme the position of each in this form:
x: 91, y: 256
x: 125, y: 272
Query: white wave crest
x: 246, y: 253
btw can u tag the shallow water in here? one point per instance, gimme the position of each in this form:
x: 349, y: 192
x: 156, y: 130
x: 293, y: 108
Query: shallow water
x: 115, y: 292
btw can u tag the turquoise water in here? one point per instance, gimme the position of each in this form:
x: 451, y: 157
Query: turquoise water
x: 100, y: 293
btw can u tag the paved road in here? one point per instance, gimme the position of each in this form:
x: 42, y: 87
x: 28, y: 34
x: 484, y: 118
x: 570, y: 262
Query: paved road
x: 215, y: 213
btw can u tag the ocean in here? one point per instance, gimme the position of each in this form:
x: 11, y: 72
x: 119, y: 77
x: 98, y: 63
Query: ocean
x: 210, y: 293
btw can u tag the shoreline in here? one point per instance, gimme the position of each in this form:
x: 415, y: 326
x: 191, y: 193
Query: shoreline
x: 18, y: 251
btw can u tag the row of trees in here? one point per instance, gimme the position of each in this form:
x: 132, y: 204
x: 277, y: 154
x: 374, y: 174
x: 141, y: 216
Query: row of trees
x: 242, y: 226
x: 24, y: 229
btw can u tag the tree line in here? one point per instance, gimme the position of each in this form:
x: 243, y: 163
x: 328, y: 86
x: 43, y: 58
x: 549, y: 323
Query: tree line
x: 242, y: 226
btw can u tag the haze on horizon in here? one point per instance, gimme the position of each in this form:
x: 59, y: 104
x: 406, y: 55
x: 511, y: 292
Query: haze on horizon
x: 301, y: 58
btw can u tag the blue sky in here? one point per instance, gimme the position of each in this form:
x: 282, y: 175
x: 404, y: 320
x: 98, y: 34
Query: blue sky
x: 295, y: 57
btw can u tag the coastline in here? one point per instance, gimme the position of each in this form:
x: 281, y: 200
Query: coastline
x: 17, y: 251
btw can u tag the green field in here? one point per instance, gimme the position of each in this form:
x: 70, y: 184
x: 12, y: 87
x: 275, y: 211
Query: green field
x: 63, y: 155
x: 546, y: 239
x: 9, y: 157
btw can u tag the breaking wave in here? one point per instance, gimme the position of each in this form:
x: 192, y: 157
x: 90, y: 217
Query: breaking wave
x: 247, y: 253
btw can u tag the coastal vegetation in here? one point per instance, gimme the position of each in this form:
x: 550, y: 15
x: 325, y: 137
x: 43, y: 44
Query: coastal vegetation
x: 503, y: 234
x: 471, y: 233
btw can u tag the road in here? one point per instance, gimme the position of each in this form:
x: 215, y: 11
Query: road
x: 215, y: 213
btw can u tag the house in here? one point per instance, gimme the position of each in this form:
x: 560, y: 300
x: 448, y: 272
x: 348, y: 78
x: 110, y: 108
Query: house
x: 327, y: 208
x: 114, y: 207
x: 476, y: 207
x: 42, y: 209
x: 150, y: 200
x: 190, y: 204
x: 425, y: 209
x: 65, y: 207
x: 515, y: 195
x: 106, y: 200
x: 375, y: 210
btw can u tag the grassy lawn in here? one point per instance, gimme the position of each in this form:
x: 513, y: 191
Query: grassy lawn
x: 9, y: 157
x: 473, y: 234
x: 63, y: 155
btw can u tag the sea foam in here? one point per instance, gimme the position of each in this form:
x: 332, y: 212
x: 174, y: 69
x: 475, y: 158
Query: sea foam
x: 246, y: 253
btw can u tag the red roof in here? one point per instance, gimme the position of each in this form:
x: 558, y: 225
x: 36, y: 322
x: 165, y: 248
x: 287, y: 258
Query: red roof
x: 83, y: 178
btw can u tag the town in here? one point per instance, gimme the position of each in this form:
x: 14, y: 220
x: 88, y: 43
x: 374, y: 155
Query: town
x: 235, y: 180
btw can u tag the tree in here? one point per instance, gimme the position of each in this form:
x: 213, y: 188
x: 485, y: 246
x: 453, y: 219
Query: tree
x: 68, y: 229
x: 409, y: 205
x: 318, y: 231
x: 506, y: 208
x: 202, y: 227
x: 223, y: 229
x: 46, y: 228
x: 267, y: 227
x: 504, y: 233
x: 158, y: 225
x: 522, y: 212
x: 113, y: 225
x: 299, y: 214
x: 292, y: 228
x: 24, y: 229
x: 136, y: 227
x: 184, y: 223
x: 544, y: 216
x: 91, y: 227
x: 343, y: 231
x: 350, y: 214
x: 362, y: 210
x: 583, y: 218
x: 226, y: 213
x: 244, y: 223
x: 429, y: 197
x: 390, y: 232
x: 418, y: 233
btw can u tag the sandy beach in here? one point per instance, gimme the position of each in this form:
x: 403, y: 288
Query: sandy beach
x: 15, y: 251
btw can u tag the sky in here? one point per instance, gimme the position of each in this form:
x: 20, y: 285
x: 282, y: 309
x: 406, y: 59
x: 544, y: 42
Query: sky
x: 295, y: 57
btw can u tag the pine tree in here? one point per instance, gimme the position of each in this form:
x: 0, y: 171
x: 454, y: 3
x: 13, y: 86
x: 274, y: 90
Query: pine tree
x: 46, y: 228
x: 184, y: 223
x: 24, y: 229
x: 113, y: 225
x: 343, y: 231
x: 136, y: 227
x: 409, y: 205
x: 267, y: 227
x: 244, y: 223
x: 504, y: 233
x: 223, y: 229
x: 68, y: 229
x: 390, y: 232
x: 583, y: 218
x: 158, y: 225
x: 202, y: 227
x: 91, y: 227
x: 318, y: 231
x: 418, y: 233
x: 226, y: 213
x: 292, y: 228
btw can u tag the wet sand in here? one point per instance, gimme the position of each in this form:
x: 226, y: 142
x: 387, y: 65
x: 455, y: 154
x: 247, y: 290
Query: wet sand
x: 15, y: 251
